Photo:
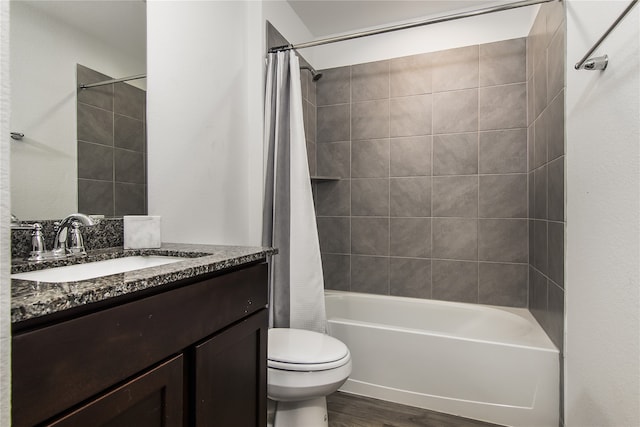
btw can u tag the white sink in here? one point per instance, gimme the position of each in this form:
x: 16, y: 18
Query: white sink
x: 92, y: 270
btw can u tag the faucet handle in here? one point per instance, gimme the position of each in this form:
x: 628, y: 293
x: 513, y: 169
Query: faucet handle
x: 75, y: 246
x: 38, y: 248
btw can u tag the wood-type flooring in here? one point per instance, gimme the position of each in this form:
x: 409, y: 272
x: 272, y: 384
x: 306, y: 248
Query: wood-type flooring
x: 348, y: 410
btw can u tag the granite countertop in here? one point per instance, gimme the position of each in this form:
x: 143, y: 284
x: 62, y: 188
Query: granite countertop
x: 31, y: 299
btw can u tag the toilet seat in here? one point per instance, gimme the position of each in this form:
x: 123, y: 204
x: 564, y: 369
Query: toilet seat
x: 301, y: 350
x: 308, y: 367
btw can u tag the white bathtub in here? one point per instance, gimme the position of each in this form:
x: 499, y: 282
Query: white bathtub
x: 484, y: 362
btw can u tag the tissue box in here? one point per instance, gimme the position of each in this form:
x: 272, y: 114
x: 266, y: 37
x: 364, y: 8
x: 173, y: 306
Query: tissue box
x: 141, y: 232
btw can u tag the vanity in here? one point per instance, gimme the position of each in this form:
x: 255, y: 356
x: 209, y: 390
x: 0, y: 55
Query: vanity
x: 178, y: 344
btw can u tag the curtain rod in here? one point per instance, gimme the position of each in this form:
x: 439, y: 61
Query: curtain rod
x: 600, y: 63
x: 398, y: 27
x: 108, y: 82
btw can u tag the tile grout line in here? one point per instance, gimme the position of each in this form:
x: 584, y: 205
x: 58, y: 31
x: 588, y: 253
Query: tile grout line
x: 113, y: 142
x: 350, y: 182
x: 478, y: 194
x: 545, y: 112
x: 431, y: 97
x: 389, y: 176
x: 530, y: 123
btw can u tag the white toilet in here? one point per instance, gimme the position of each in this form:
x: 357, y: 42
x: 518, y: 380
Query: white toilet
x: 303, y: 368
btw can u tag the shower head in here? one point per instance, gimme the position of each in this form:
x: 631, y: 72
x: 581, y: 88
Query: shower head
x: 315, y: 76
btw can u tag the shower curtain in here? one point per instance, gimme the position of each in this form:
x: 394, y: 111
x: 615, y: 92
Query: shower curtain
x: 289, y: 222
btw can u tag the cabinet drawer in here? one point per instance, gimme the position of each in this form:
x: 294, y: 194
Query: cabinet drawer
x: 62, y: 365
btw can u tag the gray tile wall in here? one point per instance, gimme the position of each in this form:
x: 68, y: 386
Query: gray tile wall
x: 309, y: 114
x: 432, y: 150
x: 546, y: 47
x: 546, y: 83
x: 112, y: 146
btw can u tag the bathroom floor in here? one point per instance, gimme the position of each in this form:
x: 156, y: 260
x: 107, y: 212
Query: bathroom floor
x: 347, y: 410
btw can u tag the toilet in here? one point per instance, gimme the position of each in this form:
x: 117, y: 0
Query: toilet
x: 303, y: 367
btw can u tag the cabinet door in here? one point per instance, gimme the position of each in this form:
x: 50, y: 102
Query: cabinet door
x: 153, y: 399
x: 231, y: 376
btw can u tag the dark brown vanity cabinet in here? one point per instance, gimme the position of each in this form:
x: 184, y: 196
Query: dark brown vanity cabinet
x: 193, y: 354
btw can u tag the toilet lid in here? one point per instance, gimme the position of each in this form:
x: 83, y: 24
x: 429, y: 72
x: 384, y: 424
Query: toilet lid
x: 296, y: 349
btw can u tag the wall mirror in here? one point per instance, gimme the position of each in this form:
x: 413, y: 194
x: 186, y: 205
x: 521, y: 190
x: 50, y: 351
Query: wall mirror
x: 77, y: 144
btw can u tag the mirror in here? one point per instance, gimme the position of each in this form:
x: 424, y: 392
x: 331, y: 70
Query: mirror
x: 50, y: 42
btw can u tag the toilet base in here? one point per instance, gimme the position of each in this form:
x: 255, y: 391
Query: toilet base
x: 308, y: 413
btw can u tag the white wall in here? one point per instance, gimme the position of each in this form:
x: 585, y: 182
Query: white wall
x: 5, y: 266
x: 489, y: 28
x: 201, y: 142
x: 602, y: 350
x: 205, y: 103
x: 5, y: 288
x: 43, y: 79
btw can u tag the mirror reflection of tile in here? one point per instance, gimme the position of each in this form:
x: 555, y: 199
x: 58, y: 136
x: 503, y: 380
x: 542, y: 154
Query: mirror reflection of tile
x: 112, y: 146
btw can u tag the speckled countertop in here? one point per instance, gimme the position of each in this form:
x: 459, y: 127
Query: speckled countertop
x: 30, y: 299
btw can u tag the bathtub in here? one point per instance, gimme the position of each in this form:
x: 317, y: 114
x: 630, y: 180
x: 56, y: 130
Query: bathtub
x: 484, y: 362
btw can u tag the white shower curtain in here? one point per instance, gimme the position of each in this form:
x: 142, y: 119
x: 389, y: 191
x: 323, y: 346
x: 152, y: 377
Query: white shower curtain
x: 289, y: 222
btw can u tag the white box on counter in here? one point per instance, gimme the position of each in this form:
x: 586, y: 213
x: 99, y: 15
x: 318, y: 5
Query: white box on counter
x: 142, y: 232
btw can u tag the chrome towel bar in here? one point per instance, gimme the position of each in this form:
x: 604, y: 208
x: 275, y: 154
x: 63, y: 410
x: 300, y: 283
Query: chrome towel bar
x: 600, y: 62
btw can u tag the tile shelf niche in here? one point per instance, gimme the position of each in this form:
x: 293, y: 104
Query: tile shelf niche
x: 316, y: 178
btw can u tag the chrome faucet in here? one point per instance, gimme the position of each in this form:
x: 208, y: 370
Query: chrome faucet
x: 68, y: 239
